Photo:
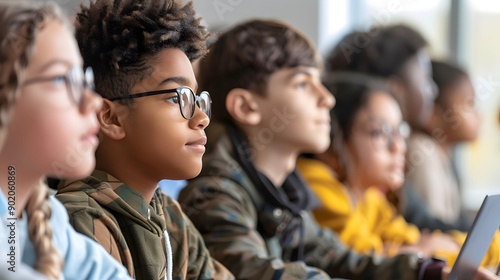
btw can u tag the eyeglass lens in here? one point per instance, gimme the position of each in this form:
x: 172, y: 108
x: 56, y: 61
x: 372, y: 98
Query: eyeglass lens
x: 77, y: 81
x: 188, y: 101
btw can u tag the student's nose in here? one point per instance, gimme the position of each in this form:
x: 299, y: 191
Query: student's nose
x: 200, y: 120
x: 326, y: 97
x: 398, y: 145
x: 92, y: 102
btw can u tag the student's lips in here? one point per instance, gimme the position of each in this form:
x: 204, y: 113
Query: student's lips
x: 91, y: 136
x: 324, y: 123
x: 398, y: 166
x: 198, y: 144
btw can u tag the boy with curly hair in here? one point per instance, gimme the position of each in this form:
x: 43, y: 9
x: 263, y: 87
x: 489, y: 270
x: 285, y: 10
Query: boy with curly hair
x: 152, y: 128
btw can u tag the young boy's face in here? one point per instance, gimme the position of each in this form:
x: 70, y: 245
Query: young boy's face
x: 163, y: 143
x: 296, y: 110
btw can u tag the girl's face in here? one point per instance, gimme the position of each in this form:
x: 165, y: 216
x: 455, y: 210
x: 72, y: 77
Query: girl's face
x: 376, y: 148
x: 48, y: 132
x: 3, y: 134
x: 458, y: 119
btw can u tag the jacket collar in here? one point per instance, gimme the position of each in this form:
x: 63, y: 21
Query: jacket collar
x: 119, y: 198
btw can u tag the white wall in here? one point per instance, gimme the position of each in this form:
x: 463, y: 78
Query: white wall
x: 222, y: 14
x: 323, y: 21
x: 334, y: 21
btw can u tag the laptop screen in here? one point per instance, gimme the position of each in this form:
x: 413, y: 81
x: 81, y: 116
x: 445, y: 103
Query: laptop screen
x: 478, y: 239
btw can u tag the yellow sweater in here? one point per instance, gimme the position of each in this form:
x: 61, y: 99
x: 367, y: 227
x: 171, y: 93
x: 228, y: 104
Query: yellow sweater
x: 374, y: 221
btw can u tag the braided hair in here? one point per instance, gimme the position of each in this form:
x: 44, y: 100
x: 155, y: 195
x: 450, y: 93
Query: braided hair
x: 19, y: 24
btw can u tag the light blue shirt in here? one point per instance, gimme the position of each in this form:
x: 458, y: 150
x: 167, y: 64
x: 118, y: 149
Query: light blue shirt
x: 172, y: 187
x: 84, y: 258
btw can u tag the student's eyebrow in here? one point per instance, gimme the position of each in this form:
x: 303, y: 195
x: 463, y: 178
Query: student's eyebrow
x: 299, y: 72
x: 178, y: 80
x: 376, y: 120
x: 54, y: 62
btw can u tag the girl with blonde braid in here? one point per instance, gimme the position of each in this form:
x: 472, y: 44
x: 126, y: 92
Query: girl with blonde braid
x: 47, y: 127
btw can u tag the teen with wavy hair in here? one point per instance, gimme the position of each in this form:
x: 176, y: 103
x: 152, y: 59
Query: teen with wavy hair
x: 250, y: 203
x: 54, y: 113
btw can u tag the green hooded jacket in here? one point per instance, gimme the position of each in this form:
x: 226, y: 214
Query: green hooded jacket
x: 139, y: 234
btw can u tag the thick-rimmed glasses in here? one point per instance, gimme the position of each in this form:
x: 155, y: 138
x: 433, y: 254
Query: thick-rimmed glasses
x: 76, y: 81
x: 185, y: 97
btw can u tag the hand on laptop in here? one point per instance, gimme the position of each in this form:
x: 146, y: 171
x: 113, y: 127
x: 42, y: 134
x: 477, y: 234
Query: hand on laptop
x: 431, y: 242
x: 482, y: 274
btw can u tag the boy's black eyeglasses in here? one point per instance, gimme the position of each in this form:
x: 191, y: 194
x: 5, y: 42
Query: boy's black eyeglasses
x: 185, y: 97
x: 76, y: 81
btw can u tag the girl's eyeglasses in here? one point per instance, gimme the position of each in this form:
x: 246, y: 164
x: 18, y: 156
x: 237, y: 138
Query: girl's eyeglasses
x: 385, y: 136
x: 76, y: 81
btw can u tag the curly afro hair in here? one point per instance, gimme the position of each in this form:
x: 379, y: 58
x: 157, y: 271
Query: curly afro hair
x: 118, y: 38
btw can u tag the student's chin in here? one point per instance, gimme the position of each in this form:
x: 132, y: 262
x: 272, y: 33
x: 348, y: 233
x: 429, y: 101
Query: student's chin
x: 317, y: 148
x: 78, y: 170
x: 195, y: 171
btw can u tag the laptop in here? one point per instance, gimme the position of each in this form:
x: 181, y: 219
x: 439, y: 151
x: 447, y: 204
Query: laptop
x: 478, y: 239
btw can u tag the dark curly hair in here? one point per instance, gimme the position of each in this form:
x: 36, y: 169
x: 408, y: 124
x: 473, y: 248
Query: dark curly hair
x: 118, y: 38
x: 381, y: 51
x: 247, y: 55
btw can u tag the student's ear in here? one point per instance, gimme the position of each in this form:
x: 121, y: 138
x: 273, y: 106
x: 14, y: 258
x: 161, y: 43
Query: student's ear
x: 110, y: 118
x: 498, y: 116
x: 397, y: 86
x: 242, y: 107
x: 436, y: 118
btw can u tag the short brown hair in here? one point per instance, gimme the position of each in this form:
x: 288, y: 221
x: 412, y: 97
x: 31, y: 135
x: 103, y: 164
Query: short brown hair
x: 247, y: 55
x: 117, y: 38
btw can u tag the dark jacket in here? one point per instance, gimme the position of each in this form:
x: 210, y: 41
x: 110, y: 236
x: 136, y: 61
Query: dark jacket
x: 244, y: 225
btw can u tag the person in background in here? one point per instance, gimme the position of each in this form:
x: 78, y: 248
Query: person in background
x: 396, y: 53
x: 367, y: 155
x: 454, y: 120
x: 250, y: 204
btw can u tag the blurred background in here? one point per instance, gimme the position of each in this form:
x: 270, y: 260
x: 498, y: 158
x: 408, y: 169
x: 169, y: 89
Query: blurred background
x: 463, y: 31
